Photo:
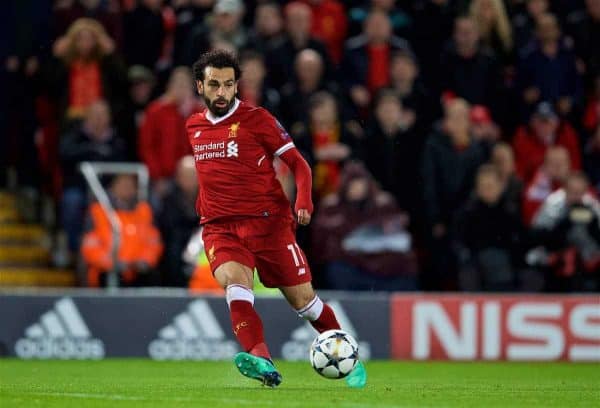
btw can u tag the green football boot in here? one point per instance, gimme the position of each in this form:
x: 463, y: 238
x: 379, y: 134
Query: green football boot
x: 259, y: 368
x: 357, y: 377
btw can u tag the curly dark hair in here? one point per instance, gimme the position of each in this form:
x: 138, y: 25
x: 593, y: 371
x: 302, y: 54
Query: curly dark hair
x: 216, y: 59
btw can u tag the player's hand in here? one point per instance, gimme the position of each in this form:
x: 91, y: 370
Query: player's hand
x: 303, y: 217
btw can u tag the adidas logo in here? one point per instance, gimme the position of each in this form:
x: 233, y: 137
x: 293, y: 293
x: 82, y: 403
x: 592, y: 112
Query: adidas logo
x: 298, y: 346
x: 194, y: 334
x: 60, y: 333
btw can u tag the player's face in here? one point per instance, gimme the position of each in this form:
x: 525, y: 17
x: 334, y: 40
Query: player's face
x: 218, y: 88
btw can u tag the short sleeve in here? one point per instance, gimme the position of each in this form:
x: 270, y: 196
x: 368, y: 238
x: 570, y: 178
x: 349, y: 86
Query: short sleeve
x: 273, y: 136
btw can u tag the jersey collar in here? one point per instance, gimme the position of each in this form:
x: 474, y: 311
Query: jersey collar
x: 214, y: 120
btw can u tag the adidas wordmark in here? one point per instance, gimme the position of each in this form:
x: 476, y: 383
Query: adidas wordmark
x: 60, y: 333
x: 194, y: 334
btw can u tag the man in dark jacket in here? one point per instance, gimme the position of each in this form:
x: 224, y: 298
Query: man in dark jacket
x: 547, y: 70
x: 393, y: 149
x: 470, y: 72
x: 177, y: 221
x: 450, y: 161
x: 93, y: 140
x: 144, y: 34
x: 584, y: 27
x: 488, y: 231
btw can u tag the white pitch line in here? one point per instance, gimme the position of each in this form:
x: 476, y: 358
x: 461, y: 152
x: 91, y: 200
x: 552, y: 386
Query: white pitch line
x: 106, y: 396
x: 238, y: 401
x: 340, y: 404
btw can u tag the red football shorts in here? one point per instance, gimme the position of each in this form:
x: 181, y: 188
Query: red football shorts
x: 266, y: 243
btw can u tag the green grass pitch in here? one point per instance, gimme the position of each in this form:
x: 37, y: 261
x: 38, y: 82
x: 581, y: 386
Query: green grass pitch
x: 145, y: 383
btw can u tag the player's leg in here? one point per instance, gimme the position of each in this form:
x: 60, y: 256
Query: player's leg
x: 255, y: 362
x: 309, y: 306
x: 237, y: 280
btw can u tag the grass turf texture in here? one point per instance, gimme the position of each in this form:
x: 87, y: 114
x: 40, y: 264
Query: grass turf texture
x: 146, y: 383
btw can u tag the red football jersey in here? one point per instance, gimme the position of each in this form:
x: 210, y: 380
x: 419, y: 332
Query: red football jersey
x: 234, y: 162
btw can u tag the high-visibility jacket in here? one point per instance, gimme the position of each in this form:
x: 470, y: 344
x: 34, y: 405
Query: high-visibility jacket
x: 140, y: 242
x: 202, y: 279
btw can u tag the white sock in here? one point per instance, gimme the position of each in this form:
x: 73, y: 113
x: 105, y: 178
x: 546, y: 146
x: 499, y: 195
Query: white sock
x: 238, y: 292
x: 312, y: 310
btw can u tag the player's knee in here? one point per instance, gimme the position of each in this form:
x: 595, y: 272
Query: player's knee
x: 232, y: 273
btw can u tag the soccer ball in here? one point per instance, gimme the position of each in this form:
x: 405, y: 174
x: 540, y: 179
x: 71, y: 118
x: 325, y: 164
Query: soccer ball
x: 334, y: 354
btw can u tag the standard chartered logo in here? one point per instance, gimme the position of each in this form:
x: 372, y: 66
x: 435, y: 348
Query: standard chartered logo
x: 194, y: 334
x: 60, y: 333
x: 215, y: 150
x: 232, y: 149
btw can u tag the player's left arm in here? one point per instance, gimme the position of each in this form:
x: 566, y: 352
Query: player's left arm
x: 278, y: 142
x: 303, y: 177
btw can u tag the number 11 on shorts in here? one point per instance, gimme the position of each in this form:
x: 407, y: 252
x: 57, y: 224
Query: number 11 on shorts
x: 297, y: 255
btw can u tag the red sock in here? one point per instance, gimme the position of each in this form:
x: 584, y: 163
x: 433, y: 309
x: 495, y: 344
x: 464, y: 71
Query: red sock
x: 326, y: 320
x: 248, y: 328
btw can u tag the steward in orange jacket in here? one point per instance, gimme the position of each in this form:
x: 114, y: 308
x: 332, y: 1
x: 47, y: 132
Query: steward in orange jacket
x: 141, y: 245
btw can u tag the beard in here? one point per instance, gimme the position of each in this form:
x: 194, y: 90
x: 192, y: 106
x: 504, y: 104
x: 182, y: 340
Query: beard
x: 219, y: 110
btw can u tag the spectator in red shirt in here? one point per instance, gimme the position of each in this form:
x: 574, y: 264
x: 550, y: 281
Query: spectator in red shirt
x: 162, y: 139
x: 329, y: 24
x: 544, y: 130
x: 367, y: 57
x: 85, y: 70
x: 548, y: 178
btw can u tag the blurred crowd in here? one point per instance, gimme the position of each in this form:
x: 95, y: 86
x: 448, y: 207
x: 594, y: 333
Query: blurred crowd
x: 455, y: 144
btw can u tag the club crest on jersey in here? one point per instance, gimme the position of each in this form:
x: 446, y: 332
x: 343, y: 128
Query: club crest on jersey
x: 233, y: 129
x: 211, y: 254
